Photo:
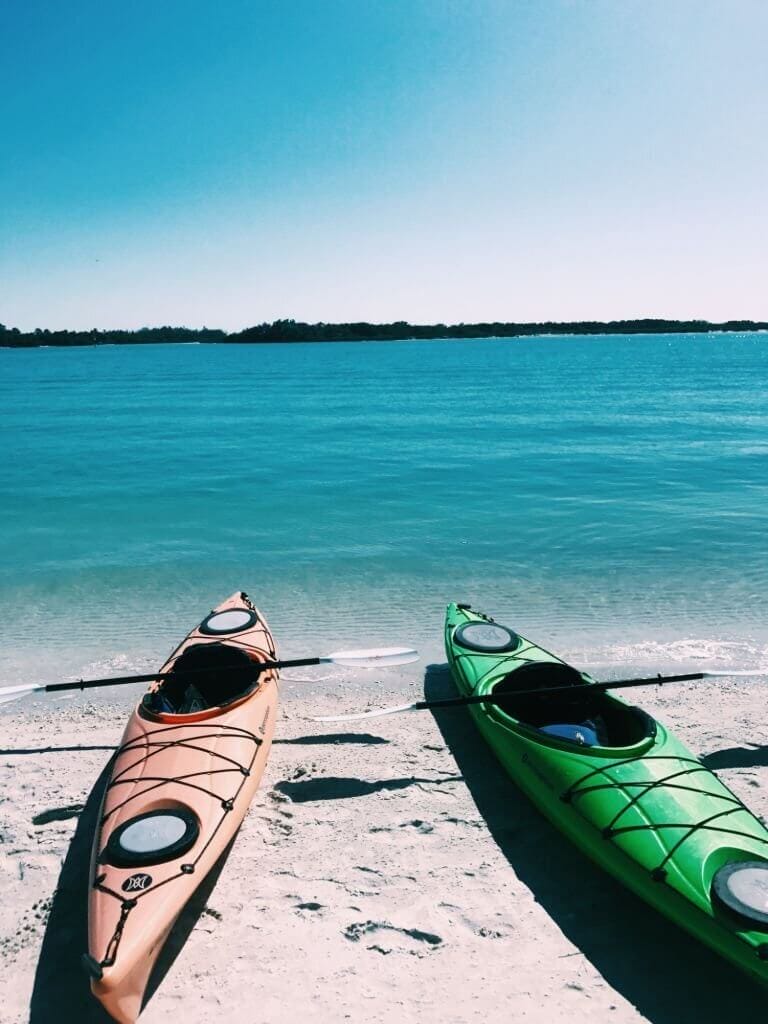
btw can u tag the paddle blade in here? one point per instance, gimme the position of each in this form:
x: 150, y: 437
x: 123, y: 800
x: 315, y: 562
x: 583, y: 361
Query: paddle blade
x: 725, y: 673
x: 379, y: 713
x: 374, y: 657
x: 8, y: 693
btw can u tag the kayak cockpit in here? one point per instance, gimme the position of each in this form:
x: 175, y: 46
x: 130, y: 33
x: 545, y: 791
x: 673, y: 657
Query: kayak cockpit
x: 586, y: 719
x: 210, y: 675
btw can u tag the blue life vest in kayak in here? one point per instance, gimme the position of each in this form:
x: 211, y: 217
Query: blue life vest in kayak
x: 583, y: 733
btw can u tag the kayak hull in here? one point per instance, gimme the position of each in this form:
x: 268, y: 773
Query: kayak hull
x: 205, y: 766
x: 649, y: 813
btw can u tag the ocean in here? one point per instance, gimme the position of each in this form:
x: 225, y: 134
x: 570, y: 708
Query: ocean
x: 607, y: 496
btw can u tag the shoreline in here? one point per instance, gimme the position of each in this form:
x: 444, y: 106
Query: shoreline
x: 387, y: 871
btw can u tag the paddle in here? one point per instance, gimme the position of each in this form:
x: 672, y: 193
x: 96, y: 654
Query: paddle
x: 374, y: 657
x: 510, y: 697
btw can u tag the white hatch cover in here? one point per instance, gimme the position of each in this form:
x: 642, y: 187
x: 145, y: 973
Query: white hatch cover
x: 151, y: 834
x: 152, y: 838
x: 486, y: 636
x: 743, y: 888
x: 233, y: 621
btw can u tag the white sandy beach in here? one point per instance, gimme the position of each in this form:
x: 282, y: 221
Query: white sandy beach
x: 387, y: 872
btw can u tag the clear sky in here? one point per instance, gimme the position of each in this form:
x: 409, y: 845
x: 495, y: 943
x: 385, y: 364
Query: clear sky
x: 224, y: 163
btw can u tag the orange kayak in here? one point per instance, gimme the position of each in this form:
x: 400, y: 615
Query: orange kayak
x: 190, y: 761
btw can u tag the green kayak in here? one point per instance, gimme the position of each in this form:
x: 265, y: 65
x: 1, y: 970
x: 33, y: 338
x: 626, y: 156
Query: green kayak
x: 622, y: 788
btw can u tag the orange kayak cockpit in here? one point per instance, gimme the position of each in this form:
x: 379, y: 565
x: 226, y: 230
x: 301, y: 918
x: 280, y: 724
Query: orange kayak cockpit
x: 204, y: 678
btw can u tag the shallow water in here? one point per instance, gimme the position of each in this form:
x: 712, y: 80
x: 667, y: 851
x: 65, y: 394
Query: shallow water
x: 607, y: 496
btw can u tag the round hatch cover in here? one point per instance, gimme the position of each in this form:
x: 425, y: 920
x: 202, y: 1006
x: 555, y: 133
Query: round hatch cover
x: 152, y: 838
x: 233, y: 621
x: 743, y: 888
x: 487, y: 637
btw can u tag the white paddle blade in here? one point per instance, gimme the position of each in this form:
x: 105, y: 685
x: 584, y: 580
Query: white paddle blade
x: 374, y: 657
x: 724, y: 673
x: 379, y: 713
x: 8, y: 693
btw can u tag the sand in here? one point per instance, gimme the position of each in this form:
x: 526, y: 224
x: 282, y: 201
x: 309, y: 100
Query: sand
x: 387, y: 872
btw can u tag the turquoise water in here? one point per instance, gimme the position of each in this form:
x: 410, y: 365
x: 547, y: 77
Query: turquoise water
x: 609, y: 496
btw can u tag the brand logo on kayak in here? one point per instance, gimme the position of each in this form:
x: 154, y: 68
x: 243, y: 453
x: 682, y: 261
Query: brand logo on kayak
x: 137, y: 883
x: 263, y: 725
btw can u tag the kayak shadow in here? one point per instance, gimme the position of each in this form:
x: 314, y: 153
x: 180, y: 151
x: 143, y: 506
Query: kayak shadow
x: 736, y: 757
x: 61, y: 991
x: 11, y: 751
x: 653, y: 964
x: 333, y: 788
x: 332, y: 738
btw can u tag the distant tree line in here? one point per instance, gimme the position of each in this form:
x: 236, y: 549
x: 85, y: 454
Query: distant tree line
x: 293, y: 330
x: 14, y: 338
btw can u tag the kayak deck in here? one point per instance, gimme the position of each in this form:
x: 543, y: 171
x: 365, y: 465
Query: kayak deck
x: 646, y: 810
x: 180, y: 786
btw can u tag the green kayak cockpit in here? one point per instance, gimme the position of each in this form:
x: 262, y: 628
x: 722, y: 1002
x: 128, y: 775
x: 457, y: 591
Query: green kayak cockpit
x: 576, y: 715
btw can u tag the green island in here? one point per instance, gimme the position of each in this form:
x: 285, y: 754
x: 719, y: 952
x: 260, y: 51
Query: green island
x: 294, y: 330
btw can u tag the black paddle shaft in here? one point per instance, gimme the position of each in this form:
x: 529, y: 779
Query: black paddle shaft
x: 511, y: 696
x: 258, y: 668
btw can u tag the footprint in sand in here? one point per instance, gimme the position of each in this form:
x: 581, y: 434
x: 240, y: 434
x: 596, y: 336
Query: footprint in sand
x: 416, y: 946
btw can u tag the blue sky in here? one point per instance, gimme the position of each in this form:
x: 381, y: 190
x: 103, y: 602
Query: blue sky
x: 227, y: 163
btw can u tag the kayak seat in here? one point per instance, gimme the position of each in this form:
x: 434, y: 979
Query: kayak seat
x: 586, y: 719
x: 219, y: 674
